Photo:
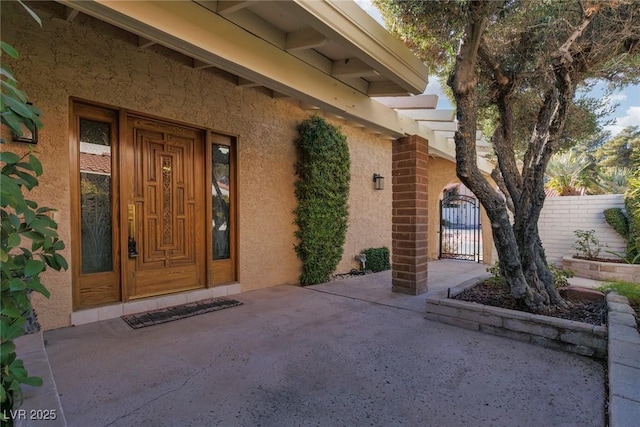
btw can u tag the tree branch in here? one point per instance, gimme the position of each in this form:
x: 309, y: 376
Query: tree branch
x: 503, y: 137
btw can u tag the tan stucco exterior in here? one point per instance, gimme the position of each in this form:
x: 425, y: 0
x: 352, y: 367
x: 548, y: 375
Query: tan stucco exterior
x: 94, y: 61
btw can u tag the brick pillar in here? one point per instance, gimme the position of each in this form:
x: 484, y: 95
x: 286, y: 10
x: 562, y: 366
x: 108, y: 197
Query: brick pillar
x: 409, y: 232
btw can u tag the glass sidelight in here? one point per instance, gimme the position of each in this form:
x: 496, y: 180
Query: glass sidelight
x: 221, y: 181
x: 223, y: 266
x: 95, y: 196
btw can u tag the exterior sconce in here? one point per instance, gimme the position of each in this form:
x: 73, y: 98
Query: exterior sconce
x: 378, y: 181
x: 29, y: 135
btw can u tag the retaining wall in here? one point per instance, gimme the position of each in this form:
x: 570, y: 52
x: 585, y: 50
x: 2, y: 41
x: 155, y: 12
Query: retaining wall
x: 561, y: 334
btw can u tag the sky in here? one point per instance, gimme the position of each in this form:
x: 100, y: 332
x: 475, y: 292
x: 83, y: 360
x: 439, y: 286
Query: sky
x: 627, y: 112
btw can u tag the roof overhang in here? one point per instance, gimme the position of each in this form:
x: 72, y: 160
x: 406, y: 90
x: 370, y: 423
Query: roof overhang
x: 327, y: 54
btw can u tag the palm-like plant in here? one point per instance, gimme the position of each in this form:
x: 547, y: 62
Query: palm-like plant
x: 567, y: 173
x: 613, y: 180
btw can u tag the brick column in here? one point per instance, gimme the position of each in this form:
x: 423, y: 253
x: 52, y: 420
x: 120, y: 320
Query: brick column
x: 409, y: 232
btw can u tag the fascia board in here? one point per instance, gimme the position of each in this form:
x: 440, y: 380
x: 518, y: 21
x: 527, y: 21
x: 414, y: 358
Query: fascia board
x: 347, y: 22
x: 197, y: 32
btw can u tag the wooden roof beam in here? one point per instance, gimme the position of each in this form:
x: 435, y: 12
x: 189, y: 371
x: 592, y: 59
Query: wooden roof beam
x: 409, y: 102
x: 200, y: 65
x: 352, y: 67
x: 145, y: 43
x: 70, y: 13
x: 307, y: 38
x: 431, y: 115
x: 384, y: 88
x: 247, y: 83
x: 226, y: 7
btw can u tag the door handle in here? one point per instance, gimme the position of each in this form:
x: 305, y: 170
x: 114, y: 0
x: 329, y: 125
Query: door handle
x: 131, y: 223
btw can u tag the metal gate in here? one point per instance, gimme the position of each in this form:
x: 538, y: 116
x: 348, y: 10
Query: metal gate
x: 460, y: 231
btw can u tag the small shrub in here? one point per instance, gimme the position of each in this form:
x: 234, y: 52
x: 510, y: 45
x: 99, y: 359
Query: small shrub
x: 378, y: 259
x: 625, y: 226
x: 627, y: 289
x: 587, y: 244
x: 560, y: 276
x: 618, y: 220
x: 494, y: 270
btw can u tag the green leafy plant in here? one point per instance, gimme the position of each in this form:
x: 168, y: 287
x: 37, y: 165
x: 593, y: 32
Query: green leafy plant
x: 560, y: 276
x: 322, y: 191
x: 587, y: 244
x: 378, y: 259
x: 494, y: 270
x: 23, y: 222
x: 627, y: 225
x: 16, y: 111
x: 29, y: 240
x: 616, y: 218
x: 628, y: 289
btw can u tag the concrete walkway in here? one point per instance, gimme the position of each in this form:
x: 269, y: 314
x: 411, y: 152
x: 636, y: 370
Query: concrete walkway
x: 295, y: 356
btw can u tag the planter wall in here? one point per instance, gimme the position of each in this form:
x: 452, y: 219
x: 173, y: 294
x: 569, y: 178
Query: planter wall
x: 599, y: 270
x: 551, y: 332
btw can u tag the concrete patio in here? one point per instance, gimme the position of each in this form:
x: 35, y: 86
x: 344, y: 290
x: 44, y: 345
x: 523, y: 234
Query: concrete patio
x: 343, y: 353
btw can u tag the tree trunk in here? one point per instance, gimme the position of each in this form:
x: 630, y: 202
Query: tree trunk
x: 522, y: 261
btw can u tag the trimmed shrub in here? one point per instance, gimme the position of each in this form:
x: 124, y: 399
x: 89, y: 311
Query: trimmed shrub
x: 618, y: 220
x: 322, y: 191
x: 628, y: 226
x: 378, y: 259
x: 632, y: 206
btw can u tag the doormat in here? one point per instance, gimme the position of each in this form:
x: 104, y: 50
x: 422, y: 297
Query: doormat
x: 169, y: 314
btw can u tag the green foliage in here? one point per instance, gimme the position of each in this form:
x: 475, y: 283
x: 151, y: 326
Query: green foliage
x: 611, y: 181
x: 587, y: 244
x: 30, y: 244
x: 494, y: 270
x: 16, y: 112
x: 632, y: 206
x: 560, y: 276
x: 378, y: 259
x: 628, y: 289
x: 322, y: 191
x: 566, y: 173
x: 621, y: 151
x: 628, y: 226
x: 618, y: 220
x: 29, y: 238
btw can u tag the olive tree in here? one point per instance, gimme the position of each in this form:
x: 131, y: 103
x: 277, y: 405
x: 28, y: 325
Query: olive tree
x: 500, y: 58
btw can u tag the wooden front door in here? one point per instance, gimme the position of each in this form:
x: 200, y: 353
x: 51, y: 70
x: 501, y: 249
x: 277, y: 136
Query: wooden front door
x: 163, y: 209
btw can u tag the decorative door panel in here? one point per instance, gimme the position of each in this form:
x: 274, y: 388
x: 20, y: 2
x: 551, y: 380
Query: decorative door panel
x: 166, y: 209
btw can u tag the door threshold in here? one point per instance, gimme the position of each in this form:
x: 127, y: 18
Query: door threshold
x: 112, y: 311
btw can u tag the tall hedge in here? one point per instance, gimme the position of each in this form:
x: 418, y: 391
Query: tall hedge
x: 322, y: 191
x: 632, y: 206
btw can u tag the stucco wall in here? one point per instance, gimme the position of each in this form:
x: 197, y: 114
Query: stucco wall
x: 94, y: 61
x: 561, y: 216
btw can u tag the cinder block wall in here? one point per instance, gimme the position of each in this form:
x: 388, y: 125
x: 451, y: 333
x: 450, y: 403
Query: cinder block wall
x: 561, y: 216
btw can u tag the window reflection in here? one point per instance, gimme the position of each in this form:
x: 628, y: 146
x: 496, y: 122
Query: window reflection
x: 95, y: 196
x: 220, y: 197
